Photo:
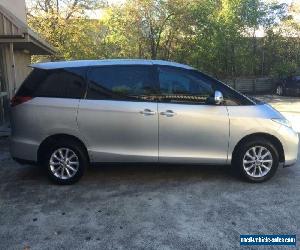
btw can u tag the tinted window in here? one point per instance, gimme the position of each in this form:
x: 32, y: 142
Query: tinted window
x: 231, y: 96
x: 180, y: 85
x: 32, y: 82
x: 61, y: 83
x: 134, y: 82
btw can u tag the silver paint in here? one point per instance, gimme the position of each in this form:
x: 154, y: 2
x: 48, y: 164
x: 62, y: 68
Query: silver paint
x: 194, y: 133
x: 119, y: 130
x: 124, y: 131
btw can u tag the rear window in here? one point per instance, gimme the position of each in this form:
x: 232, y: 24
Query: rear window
x: 59, y: 83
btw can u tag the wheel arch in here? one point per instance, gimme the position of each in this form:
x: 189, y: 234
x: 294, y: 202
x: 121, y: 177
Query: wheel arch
x: 274, y: 140
x: 48, y: 141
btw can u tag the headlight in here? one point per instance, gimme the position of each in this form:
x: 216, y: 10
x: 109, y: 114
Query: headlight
x: 282, y: 121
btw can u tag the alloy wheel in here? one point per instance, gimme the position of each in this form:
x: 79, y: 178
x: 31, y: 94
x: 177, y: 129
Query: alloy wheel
x: 64, y: 163
x: 257, y: 161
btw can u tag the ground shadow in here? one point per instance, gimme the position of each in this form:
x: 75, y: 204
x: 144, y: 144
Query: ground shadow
x: 130, y: 172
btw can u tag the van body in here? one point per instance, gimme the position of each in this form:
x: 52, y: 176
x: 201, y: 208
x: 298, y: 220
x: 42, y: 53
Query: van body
x: 68, y: 115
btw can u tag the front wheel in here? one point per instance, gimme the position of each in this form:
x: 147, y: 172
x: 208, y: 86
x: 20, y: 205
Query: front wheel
x: 257, y: 160
x: 66, y: 162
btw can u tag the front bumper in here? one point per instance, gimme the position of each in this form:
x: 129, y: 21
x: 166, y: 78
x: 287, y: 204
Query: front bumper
x: 290, y: 142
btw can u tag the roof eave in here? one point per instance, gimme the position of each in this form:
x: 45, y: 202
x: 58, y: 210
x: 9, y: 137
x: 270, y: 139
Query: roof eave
x: 21, y: 36
x: 46, y: 47
x: 30, y: 42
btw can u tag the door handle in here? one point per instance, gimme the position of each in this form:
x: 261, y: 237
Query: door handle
x: 168, y: 113
x: 147, y: 112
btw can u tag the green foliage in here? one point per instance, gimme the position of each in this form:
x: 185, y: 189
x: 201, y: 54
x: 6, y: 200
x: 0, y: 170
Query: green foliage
x: 284, y: 70
x: 216, y: 36
x: 67, y: 27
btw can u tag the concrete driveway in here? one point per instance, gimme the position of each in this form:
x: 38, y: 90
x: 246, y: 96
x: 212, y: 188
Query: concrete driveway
x: 143, y: 207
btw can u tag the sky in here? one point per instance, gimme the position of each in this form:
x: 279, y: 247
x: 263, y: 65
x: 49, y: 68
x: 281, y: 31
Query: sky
x: 98, y: 13
x: 281, y: 1
x: 115, y: 1
x: 259, y: 32
x: 95, y: 14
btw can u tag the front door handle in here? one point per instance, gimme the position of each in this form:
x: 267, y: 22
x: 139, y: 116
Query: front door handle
x: 147, y: 112
x: 168, y: 113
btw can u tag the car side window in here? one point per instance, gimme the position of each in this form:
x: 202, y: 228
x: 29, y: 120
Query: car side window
x: 58, y: 83
x: 122, y: 82
x: 182, y: 86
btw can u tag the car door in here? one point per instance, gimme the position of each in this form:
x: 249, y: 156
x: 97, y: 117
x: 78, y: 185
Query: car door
x: 190, y: 129
x: 118, y: 117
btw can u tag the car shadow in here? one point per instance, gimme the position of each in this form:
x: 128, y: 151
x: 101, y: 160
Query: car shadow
x: 136, y: 172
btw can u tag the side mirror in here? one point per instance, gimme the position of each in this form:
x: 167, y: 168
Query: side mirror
x: 218, y: 97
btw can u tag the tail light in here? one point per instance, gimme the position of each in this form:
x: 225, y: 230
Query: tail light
x: 16, y: 100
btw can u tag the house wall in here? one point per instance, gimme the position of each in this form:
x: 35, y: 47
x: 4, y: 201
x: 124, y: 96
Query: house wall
x: 16, y: 7
x: 4, y: 111
x: 14, y: 62
x: 22, y: 60
x: 10, y: 79
x: 15, y: 78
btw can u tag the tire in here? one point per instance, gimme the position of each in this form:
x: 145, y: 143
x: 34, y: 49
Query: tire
x: 65, y: 170
x: 280, y: 90
x: 251, y: 166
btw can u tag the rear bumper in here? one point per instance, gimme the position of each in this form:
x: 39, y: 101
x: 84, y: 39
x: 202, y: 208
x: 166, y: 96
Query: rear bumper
x: 23, y: 150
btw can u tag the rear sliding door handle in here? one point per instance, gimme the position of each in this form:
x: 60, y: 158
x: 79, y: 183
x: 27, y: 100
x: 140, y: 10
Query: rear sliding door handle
x: 147, y: 112
x: 168, y: 113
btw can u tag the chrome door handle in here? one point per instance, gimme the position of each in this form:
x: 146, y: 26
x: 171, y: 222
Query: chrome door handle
x: 147, y: 112
x: 168, y: 113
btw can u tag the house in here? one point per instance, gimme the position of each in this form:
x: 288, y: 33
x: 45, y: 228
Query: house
x: 17, y: 43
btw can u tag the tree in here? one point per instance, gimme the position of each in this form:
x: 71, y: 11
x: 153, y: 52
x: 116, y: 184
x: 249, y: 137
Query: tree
x: 284, y: 55
x: 227, y: 43
x: 65, y: 24
x: 145, y: 28
x: 220, y: 37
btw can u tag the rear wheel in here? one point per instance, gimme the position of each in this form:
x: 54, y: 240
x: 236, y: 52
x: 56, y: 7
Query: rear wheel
x: 257, y: 160
x: 66, y: 162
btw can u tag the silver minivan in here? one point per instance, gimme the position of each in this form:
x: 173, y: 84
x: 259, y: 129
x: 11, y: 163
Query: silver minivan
x: 69, y: 115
